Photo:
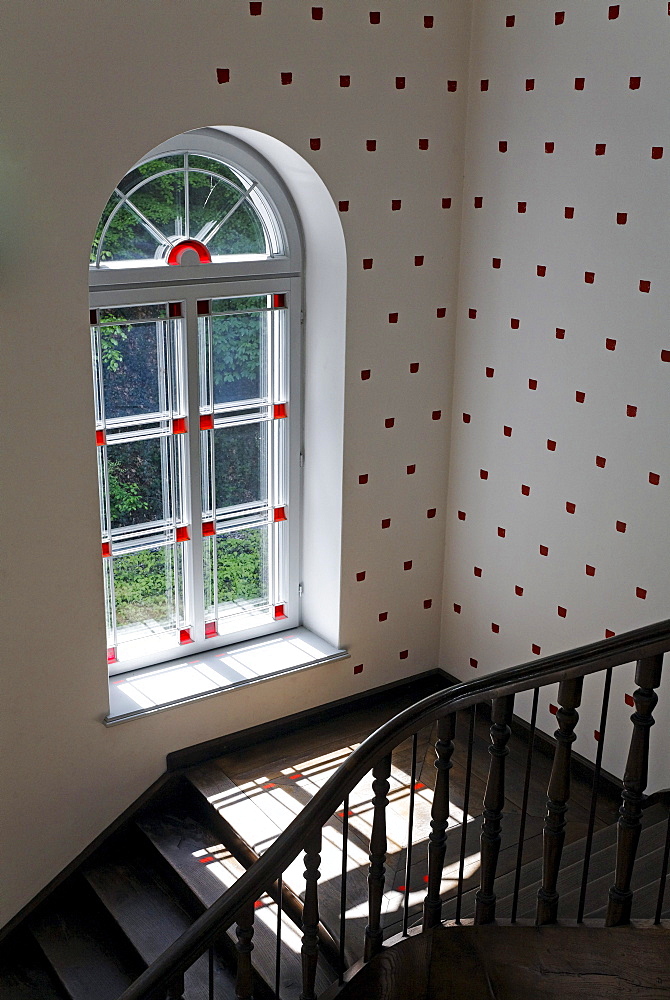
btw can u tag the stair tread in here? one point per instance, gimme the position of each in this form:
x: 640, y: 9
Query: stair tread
x: 208, y: 868
x: 88, y: 955
x: 152, y: 919
x: 24, y: 973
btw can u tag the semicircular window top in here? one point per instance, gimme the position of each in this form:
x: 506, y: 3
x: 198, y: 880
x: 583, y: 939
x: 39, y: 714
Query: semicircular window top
x: 185, y: 200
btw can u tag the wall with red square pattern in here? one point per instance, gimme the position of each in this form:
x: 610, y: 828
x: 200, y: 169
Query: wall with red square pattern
x: 573, y: 428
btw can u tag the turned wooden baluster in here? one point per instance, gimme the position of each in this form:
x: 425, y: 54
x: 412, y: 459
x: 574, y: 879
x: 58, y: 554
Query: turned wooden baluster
x: 439, y: 820
x: 494, y: 800
x: 245, y: 932
x: 175, y: 990
x: 310, y: 916
x: 558, y: 794
x: 647, y: 677
x: 380, y: 786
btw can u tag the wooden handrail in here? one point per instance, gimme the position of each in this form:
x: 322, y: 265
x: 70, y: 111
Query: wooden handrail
x: 651, y: 640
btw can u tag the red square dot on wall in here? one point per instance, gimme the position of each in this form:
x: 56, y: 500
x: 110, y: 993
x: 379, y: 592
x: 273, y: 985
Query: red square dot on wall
x: 569, y: 212
x: 610, y: 344
x: 386, y: 522
x: 665, y: 355
x: 544, y: 550
x: 536, y: 649
x: 495, y: 627
x: 418, y: 260
x: 411, y: 469
x: 580, y: 396
x: 316, y: 144
x: 484, y: 85
x: 631, y: 411
x: 389, y: 422
x: 645, y: 286
x: 383, y: 616
x: 641, y: 593
x: 502, y: 532
x: 490, y: 372
x: 496, y: 262
x: 255, y: 9
x: 393, y: 317
x: 518, y: 591
x: 657, y: 152
x: 601, y: 461
x: 549, y: 147
x: 483, y: 474
x: 441, y: 312
x: 629, y: 700
x: 414, y: 367
x: 286, y: 79
x: 559, y: 17
x: 371, y: 145
x: 407, y: 565
x: 654, y: 478
x: 403, y: 654
x: 560, y: 333
x: 317, y: 13
x: 472, y: 314
x: 452, y: 86
x: 589, y: 277
x: 570, y: 507
x: 502, y: 146
x: 507, y: 431
x: 358, y: 669
x: 363, y: 478
x: 541, y: 270
x: 613, y: 12
x: 473, y: 662
x: 510, y: 20
x: 579, y: 82
x: 514, y: 323
x: 343, y: 206
x: 479, y: 201
x: 530, y: 84
x: 462, y: 515
x: 423, y: 144
x: 436, y: 415
x: 446, y: 203
x: 521, y: 207
x: 621, y: 526
x: 562, y: 612
x: 396, y: 204
x: 457, y: 609
x: 431, y: 512
x: 375, y: 17
x: 345, y: 80
x: 223, y: 76
x: 466, y: 418
x: 360, y: 576
x: 634, y: 83
x: 553, y: 709
x: 621, y: 218
x: 365, y: 374
x: 525, y: 490
x: 551, y: 445
x: 477, y: 570
x: 427, y: 604
x: 532, y: 383
x: 590, y: 570
x: 600, y: 148
x: 400, y: 82
x: 428, y: 21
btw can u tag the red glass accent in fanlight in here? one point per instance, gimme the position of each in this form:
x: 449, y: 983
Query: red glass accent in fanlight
x: 182, y: 534
x: 208, y: 529
x: 174, y: 309
x: 176, y: 253
x: 100, y: 438
x: 206, y: 421
x: 203, y: 307
x: 279, y: 612
x: 211, y: 630
x: 279, y: 514
x: 279, y: 301
x: 279, y: 410
x: 93, y: 316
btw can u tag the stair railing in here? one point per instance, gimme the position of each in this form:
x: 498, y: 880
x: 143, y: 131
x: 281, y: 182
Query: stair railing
x: 165, y: 977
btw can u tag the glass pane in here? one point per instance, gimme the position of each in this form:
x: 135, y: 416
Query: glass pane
x: 146, y: 587
x: 130, y: 369
x: 241, y: 303
x: 240, y: 465
x: 242, y: 233
x: 238, y: 356
x: 210, y: 200
x: 161, y: 201
x: 128, y: 239
x: 207, y: 163
x: 235, y: 569
x: 112, y: 203
x: 139, y: 482
x: 146, y: 170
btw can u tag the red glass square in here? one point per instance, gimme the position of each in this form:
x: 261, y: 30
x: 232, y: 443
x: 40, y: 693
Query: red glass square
x: 654, y: 478
x: 279, y: 612
x: 383, y: 616
x: 530, y: 84
x: 111, y: 654
x: 549, y: 147
x: 184, y: 636
x: 589, y: 277
x: 551, y: 445
x: 462, y: 515
x: 345, y: 81
x: 431, y: 512
x: 509, y: 20
x: 100, y: 438
x: 279, y: 301
x: 483, y: 84
x: 371, y: 145
x: 418, y: 260
x: 286, y: 79
x: 569, y: 212
x: 621, y: 218
x: 317, y: 13
x: 600, y: 148
x: 613, y: 12
x: 93, y: 316
x: 559, y: 17
x: 590, y: 570
x: 407, y: 565
x: 393, y: 317
x: 362, y: 479
x: 279, y: 514
x: 211, y: 630
x: 223, y: 76
x: 596, y: 736
x: 490, y: 372
x: 621, y: 526
x: 536, y: 649
x: 436, y: 415
x: 411, y: 469
x: 473, y: 662
x: 203, y: 307
x: 428, y: 604
x: 570, y: 507
x: 466, y: 418
x: 375, y: 18
x: 279, y: 411
x: 580, y: 396
x: 645, y: 286
x: 560, y: 334
x: 502, y: 532
x: 403, y: 654
x: 208, y: 529
x: 514, y: 323
x: 601, y: 461
x: 631, y: 411
x: 441, y: 312
x: 179, y: 425
x: 106, y: 549
x: 360, y: 576
x: 502, y: 146
x: 483, y: 474
x: 579, y: 82
x: 343, y: 206
x: 532, y: 383
x: 496, y: 262
x: 634, y: 83
x: 446, y: 203
x: 315, y: 144
x: 358, y: 669
x: 452, y: 86
x: 206, y: 421
x: 525, y: 490
x: 553, y: 709
x: 641, y: 593
x: 561, y: 612
x: 389, y: 422
x: 495, y: 628
x: 424, y: 143
x: 541, y: 270
x: 256, y: 8
x: 521, y: 207
x: 396, y: 204
x: 544, y: 550
x: 507, y: 431
x: 414, y: 367
x: 472, y: 314
x: 518, y: 591
x: 365, y: 374
x: 400, y: 82
x: 174, y: 309
x: 657, y: 152
x: 182, y: 534
x: 610, y: 344
x: 477, y: 570
x: 428, y: 21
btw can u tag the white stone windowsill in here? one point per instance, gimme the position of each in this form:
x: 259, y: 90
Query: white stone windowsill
x: 167, y: 685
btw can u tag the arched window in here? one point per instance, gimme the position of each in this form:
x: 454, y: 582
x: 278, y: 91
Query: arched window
x: 195, y: 300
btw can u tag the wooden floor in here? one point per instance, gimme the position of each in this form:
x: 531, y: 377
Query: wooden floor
x: 259, y: 791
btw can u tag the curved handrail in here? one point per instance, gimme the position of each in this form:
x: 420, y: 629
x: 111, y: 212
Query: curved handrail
x: 650, y: 640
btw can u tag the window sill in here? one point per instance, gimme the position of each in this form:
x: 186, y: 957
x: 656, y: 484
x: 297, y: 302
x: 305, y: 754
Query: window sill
x: 153, y: 689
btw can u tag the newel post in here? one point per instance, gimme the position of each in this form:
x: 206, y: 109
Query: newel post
x: 558, y: 794
x: 494, y: 800
x: 437, y: 839
x: 647, y: 677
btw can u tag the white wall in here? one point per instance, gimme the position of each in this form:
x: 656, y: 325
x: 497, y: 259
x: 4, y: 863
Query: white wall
x: 91, y: 88
x: 606, y: 339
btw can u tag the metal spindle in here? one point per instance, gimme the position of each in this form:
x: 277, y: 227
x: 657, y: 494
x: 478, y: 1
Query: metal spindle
x: 280, y: 890
x: 664, y: 875
x: 343, y: 886
x: 524, y: 803
x: 410, y: 837
x: 594, y: 795
x: 466, y: 806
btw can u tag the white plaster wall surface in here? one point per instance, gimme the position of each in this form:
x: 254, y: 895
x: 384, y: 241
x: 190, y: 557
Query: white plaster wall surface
x: 89, y: 89
x: 559, y: 486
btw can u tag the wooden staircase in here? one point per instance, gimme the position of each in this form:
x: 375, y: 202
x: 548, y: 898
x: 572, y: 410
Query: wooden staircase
x: 147, y: 887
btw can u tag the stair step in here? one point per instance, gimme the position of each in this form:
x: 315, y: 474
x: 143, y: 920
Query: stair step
x: 87, y: 952
x: 196, y: 853
x: 144, y: 908
x: 24, y: 972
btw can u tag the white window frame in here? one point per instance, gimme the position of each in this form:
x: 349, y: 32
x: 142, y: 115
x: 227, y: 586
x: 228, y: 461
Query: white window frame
x: 280, y: 273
